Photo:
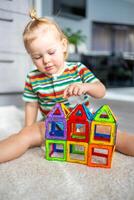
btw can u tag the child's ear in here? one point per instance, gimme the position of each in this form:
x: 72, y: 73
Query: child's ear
x: 64, y: 43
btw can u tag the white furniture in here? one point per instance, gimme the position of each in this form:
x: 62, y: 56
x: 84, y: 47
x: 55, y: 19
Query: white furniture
x: 14, y: 62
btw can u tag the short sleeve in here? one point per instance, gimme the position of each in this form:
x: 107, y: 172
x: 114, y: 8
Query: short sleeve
x: 86, y: 75
x: 29, y: 95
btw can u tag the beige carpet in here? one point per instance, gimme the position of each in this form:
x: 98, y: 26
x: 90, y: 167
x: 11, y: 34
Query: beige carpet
x: 31, y: 177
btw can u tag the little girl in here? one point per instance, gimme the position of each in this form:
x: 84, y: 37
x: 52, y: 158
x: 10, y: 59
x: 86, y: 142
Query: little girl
x: 53, y: 81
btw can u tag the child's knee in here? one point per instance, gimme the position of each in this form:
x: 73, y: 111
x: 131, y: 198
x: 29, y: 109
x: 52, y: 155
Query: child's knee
x: 124, y: 143
x: 33, y: 134
x: 120, y: 139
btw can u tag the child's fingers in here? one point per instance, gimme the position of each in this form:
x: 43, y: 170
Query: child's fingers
x: 65, y: 94
x: 68, y: 91
x: 76, y: 91
x: 73, y: 90
x: 81, y: 91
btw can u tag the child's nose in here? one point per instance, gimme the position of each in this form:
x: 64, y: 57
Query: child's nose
x: 46, y: 59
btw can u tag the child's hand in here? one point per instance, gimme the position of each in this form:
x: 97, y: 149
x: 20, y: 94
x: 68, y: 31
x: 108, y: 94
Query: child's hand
x: 75, y: 89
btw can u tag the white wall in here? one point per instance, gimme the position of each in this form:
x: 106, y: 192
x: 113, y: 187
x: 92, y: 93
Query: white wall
x: 118, y: 11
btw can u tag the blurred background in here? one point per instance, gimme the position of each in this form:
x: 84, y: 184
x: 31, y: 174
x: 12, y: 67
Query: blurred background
x: 100, y: 33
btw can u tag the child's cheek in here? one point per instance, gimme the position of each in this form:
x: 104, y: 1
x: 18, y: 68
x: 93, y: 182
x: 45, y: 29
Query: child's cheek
x: 39, y: 62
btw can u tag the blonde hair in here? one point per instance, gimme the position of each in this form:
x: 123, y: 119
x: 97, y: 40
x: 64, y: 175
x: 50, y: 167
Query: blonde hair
x: 43, y: 24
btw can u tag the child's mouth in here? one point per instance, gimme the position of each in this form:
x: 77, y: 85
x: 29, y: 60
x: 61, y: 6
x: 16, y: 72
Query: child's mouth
x: 49, y: 68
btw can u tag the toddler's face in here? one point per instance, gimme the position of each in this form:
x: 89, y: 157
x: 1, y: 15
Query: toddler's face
x: 47, y: 52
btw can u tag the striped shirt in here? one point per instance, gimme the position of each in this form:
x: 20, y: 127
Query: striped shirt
x: 48, y: 91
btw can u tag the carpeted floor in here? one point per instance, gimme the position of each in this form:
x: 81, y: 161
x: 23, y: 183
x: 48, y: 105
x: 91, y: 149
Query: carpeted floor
x: 31, y: 177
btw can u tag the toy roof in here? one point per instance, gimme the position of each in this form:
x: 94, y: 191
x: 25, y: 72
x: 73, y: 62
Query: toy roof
x: 80, y: 112
x: 59, y: 111
x: 104, y: 114
x: 88, y: 113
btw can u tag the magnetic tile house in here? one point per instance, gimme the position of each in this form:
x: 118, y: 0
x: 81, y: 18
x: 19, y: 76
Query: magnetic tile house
x: 102, y: 138
x: 80, y: 136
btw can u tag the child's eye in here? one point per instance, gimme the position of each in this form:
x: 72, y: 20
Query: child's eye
x: 36, y: 58
x: 52, y: 52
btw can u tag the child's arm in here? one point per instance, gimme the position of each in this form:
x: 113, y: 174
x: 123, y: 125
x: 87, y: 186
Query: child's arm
x: 96, y: 89
x: 31, y: 111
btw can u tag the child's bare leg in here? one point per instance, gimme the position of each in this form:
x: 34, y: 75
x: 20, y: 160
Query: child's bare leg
x: 125, y: 143
x: 17, y: 144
